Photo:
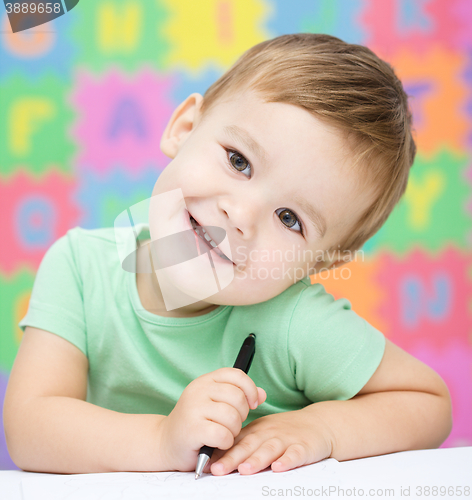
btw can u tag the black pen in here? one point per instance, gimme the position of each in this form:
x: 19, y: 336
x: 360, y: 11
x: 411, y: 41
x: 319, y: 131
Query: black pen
x: 243, y: 362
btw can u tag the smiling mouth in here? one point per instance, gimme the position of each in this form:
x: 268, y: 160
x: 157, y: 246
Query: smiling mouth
x: 205, y: 237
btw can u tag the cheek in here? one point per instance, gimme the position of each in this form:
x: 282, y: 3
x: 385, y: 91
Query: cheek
x: 195, y: 169
x: 174, y: 176
x: 167, y: 178
x: 278, y: 274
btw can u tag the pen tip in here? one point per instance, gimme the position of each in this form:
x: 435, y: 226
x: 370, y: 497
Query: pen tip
x: 196, y: 476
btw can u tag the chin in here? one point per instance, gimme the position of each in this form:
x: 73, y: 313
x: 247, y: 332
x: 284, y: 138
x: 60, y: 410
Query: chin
x: 191, y: 282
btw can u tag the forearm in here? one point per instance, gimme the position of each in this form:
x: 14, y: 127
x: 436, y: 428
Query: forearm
x: 66, y: 435
x: 384, y: 422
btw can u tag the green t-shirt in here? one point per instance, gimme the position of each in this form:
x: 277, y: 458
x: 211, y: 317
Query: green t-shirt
x: 309, y: 347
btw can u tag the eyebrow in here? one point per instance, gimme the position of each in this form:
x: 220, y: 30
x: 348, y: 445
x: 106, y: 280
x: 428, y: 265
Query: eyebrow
x: 244, y: 136
x: 314, y: 215
x: 239, y: 134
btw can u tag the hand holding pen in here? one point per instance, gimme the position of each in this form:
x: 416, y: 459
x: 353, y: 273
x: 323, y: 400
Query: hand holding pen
x: 210, y: 411
x: 243, y: 362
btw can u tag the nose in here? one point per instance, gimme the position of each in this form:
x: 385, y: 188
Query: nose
x: 230, y: 222
x: 242, y: 218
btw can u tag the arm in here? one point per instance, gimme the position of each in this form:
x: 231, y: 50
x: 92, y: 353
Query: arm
x: 49, y: 427
x: 404, y: 406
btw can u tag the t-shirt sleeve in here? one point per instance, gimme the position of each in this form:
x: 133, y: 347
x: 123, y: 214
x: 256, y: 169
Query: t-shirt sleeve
x: 333, y: 352
x: 56, y: 303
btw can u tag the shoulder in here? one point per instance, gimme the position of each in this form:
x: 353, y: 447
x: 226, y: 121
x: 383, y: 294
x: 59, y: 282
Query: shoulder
x: 302, y: 300
x: 332, y: 350
x: 83, y: 247
x: 318, y: 314
x: 296, y: 309
x: 315, y: 300
x: 79, y: 236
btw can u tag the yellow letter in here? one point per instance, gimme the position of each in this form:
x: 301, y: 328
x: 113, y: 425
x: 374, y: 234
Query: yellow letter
x: 421, y: 198
x: 24, y: 119
x: 118, y: 32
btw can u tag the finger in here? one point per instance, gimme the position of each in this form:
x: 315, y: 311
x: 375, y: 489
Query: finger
x: 295, y: 456
x: 231, y: 395
x: 235, y: 455
x: 263, y: 457
x: 262, y: 395
x: 215, y: 435
x: 225, y: 415
x: 239, y: 379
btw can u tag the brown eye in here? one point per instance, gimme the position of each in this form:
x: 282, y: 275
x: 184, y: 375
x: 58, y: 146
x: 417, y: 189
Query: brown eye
x: 289, y: 219
x: 238, y: 161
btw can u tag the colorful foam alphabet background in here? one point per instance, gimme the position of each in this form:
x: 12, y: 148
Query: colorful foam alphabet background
x: 83, y: 104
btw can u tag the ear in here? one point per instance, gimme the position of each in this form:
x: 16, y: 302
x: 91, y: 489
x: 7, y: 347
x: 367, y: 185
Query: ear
x: 183, y: 120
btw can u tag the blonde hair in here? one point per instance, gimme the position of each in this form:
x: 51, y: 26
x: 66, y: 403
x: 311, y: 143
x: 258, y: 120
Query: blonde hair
x: 351, y: 88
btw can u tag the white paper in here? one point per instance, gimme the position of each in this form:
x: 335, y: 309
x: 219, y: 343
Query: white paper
x: 392, y: 474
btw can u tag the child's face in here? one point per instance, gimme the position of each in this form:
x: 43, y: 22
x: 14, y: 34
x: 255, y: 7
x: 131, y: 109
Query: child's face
x: 286, y: 159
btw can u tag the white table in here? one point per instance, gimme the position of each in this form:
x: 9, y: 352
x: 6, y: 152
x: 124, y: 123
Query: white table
x: 447, y: 472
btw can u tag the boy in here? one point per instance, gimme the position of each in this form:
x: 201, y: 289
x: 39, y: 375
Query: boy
x: 304, y: 144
